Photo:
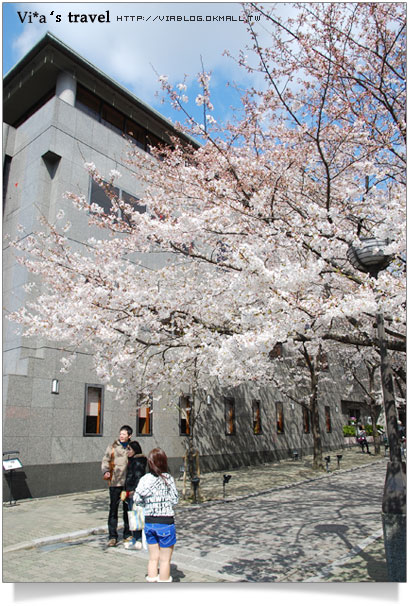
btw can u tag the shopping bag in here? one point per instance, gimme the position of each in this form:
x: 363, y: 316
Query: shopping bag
x: 136, y: 518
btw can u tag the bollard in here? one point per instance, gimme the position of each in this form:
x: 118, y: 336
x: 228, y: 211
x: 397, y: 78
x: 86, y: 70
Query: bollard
x: 195, y: 482
x: 226, y: 479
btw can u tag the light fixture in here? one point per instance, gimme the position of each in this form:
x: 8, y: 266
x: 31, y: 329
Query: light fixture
x: 55, y: 386
x: 370, y: 256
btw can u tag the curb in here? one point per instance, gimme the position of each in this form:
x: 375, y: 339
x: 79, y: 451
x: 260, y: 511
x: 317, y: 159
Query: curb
x: 276, y: 488
x: 56, y: 538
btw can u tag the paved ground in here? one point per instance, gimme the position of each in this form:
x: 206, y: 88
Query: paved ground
x: 278, y: 523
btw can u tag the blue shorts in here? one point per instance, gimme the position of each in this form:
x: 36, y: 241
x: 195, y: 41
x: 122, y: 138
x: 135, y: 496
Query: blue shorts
x: 163, y: 534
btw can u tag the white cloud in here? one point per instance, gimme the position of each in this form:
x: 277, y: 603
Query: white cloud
x: 127, y: 50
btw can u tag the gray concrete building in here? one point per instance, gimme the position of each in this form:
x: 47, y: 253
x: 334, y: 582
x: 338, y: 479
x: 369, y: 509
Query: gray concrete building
x: 60, y: 112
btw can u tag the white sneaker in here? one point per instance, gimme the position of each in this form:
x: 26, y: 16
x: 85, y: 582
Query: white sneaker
x: 130, y: 544
x: 133, y: 544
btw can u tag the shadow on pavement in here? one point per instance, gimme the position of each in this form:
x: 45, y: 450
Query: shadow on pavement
x: 177, y: 574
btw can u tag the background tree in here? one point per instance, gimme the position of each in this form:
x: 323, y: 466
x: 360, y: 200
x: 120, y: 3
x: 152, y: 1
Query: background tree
x: 253, y: 225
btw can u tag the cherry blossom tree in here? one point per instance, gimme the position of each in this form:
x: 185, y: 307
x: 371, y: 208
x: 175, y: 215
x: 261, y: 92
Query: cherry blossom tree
x: 254, y: 224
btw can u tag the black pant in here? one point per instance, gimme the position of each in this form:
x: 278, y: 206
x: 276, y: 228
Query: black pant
x: 364, y: 444
x: 113, y: 514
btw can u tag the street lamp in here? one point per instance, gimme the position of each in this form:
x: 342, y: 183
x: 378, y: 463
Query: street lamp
x: 371, y: 258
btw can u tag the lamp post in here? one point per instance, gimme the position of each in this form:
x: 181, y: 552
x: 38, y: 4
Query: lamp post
x: 370, y: 258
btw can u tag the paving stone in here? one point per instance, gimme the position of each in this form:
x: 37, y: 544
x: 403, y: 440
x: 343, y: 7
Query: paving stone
x: 293, y: 525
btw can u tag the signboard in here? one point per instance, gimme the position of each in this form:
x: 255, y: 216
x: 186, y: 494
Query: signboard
x: 12, y: 464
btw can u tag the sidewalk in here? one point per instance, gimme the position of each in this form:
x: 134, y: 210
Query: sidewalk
x: 81, y: 518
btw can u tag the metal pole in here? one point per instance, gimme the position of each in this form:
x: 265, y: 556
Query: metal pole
x: 394, y: 498
x: 388, y: 395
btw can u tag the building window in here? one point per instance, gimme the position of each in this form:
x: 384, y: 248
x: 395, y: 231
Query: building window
x: 100, y: 195
x: 354, y: 415
x: 185, y: 406
x: 352, y: 411
x: 328, y: 419
x: 280, y: 417
x: 257, y: 428
x: 145, y: 416
x: 229, y: 413
x: 133, y: 201
x: 88, y: 103
x: 106, y: 114
x: 93, y: 410
x: 306, y: 420
x: 112, y: 118
x: 136, y: 133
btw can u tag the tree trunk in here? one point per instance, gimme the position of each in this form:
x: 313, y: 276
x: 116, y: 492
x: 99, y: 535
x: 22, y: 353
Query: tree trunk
x: 313, y: 367
x: 375, y: 433
x: 317, y: 443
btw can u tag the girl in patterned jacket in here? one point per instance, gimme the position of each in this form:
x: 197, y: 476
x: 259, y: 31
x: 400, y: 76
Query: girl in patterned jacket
x: 157, y: 493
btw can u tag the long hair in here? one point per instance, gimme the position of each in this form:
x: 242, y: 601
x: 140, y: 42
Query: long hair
x: 157, y: 462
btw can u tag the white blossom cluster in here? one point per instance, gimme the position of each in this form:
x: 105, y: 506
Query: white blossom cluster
x: 254, y: 225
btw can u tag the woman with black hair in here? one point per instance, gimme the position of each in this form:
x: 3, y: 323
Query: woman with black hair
x: 157, y: 493
x: 136, y: 469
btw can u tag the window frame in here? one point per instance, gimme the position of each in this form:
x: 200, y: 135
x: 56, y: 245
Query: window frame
x: 256, y: 417
x: 306, y: 421
x: 148, y: 416
x: 185, y: 403
x: 328, y: 424
x: 279, y: 416
x: 100, y: 416
x: 122, y: 194
x: 229, y: 416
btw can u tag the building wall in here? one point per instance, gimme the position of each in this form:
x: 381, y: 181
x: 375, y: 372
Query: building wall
x: 48, y: 153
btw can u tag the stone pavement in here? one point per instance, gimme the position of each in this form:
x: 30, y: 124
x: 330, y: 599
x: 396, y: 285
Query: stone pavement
x: 279, y: 522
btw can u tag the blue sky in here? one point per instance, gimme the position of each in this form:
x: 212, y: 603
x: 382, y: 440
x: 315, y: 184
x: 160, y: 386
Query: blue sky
x: 131, y: 51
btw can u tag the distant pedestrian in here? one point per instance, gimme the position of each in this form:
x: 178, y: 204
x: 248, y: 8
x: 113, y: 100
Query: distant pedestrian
x: 362, y: 438
x: 136, y: 468
x: 114, y: 469
x: 403, y: 441
x: 157, y: 492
